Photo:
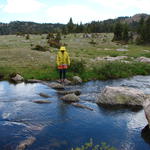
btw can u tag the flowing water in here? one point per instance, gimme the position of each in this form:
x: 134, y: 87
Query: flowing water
x: 61, y: 126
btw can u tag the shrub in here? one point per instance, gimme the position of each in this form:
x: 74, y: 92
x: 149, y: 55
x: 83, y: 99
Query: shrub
x: 77, y: 66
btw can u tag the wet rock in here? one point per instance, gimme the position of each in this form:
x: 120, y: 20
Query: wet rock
x: 44, y: 95
x: 76, y: 92
x: 17, y: 78
x: 146, y: 106
x: 121, y: 96
x: 1, y: 76
x: 82, y: 106
x: 42, y: 101
x: 24, y: 144
x: 33, y: 81
x: 143, y: 59
x: 146, y: 134
x: 70, y: 98
x: 55, y: 85
x: 67, y: 82
x: 76, y: 80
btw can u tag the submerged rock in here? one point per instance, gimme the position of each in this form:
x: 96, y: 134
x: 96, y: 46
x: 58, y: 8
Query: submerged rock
x: 121, y: 96
x: 76, y: 92
x: 76, y: 80
x: 24, y: 144
x: 70, y: 98
x: 17, y: 78
x: 82, y: 106
x: 42, y: 101
x: 44, y: 95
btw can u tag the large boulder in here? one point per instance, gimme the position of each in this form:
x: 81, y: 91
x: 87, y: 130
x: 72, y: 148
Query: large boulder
x: 121, y: 96
x: 70, y: 98
x: 76, y: 80
x: 17, y: 78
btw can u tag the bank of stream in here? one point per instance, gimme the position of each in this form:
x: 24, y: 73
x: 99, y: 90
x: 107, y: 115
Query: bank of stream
x: 61, y: 126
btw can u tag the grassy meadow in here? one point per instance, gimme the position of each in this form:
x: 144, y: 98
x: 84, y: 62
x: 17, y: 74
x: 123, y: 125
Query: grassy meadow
x: 17, y: 55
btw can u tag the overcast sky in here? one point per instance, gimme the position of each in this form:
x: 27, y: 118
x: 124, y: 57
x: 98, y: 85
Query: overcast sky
x: 59, y: 11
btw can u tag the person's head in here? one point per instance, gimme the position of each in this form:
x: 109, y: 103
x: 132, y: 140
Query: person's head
x: 62, y: 49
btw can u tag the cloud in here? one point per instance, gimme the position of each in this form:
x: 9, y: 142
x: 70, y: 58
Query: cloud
x: 22, y: 6
x: 77, y: 12
x: 141, y: 5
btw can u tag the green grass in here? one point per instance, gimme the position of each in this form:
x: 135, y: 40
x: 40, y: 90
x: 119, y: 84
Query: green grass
x: 16, y: 55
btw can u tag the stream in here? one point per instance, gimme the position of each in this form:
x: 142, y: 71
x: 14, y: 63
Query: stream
x: 61, y: 126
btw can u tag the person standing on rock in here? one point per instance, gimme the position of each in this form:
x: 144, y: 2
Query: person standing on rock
x: 63, y: 61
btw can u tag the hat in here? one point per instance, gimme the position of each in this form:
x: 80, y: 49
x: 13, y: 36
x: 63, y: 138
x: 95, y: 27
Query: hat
x: 62, y: 48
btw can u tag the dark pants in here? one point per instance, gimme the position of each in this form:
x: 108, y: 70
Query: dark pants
x: 62, y: 73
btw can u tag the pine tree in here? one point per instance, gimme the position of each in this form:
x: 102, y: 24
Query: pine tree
x: 70, y: 26
x: 118, y: 32
x: 125, y: 34
x: 147, y: 30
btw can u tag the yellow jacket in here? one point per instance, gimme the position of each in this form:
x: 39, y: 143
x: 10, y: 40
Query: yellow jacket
x: 63, y: 58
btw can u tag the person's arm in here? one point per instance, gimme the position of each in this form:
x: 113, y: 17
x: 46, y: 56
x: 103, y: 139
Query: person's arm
x: 58, y: 60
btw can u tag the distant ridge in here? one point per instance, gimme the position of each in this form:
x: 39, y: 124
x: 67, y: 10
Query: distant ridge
x: 107, y: 26
x: 136, y: 18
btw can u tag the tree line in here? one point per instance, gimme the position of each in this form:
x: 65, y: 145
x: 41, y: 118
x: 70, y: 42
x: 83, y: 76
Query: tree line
x: 122, y: 30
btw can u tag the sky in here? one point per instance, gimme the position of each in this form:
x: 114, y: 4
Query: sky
x: 60, y: 11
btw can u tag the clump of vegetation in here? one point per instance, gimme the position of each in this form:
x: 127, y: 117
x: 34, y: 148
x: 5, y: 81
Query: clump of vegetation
x: 77, y: 66
x: 92, y: 42
x: 90, y: 146
x: 40, y: 48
